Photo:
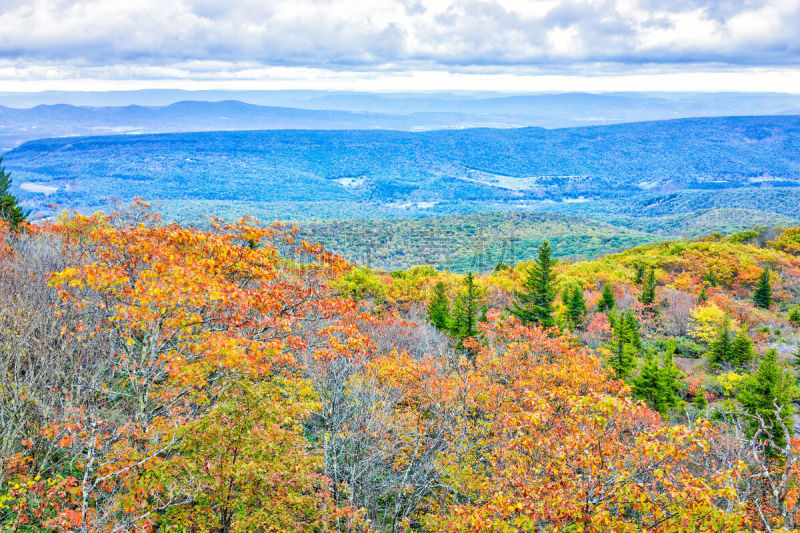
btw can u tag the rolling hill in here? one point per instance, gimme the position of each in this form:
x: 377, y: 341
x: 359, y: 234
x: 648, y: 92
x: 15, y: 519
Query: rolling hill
x: 651, y: 169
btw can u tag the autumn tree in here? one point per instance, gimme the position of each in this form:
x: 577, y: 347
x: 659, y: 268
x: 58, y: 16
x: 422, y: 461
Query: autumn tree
x: 762, y: 297
x: 10, y: 210
x: 187, y: 316
x: 678, y: 308
x: 547, y: 442
x: 439, y: 307
x: 534, y: 303
x: 248, y: 464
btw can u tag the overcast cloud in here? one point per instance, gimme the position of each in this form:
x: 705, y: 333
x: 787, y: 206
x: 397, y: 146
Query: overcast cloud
x: 42, y: 39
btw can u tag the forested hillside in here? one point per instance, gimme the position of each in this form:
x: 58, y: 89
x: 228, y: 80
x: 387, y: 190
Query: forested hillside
x: 158, y: 377
x: 659, y: 167
x: 478, y: 241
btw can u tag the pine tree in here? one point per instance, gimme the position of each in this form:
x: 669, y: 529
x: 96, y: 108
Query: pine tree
x: 794, y: 316
x: 671, y: 378
x: 711, y: 278
x: 762, y: 296
x: 439, y: 307
x: 757, y: 392
x: 10, y: 211
x: 613, y: 319
x: 466, y: 308
x: 658, y: 384
x: 646, y: 384
x: 607, y: 301
x: 638, y: 278
x: 649, y: 289
x: 626, y: 344
x: 535, y: 301
x: 742, y: 350
x: 700, y: 401
x: 566, y: 294
x: 623, y: 359
x: 796, y: 359
x: 721, y: 352
x: 576, y: 307
x: 500, y: 267
x: 631, y: 331
x: 703, y: 296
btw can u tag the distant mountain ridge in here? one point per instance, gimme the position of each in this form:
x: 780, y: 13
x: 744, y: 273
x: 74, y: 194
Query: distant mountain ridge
x: 63, y: 120
x: 29, y: 116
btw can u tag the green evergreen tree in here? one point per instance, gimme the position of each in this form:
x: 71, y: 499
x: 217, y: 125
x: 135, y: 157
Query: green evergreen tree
x: 500, y: 267
x: 758, y: 393
x: 638, y: 277
x: 762, y: 296
x: 612, y: 320
x: 721, y: 352
x: 631, y: 331
x: 607, y: 300
x: 796, y: 359
x: 566, y: 294
x: 648, y: 295
x: 646, y: 384
x: 10, y: 211
x: 576, y: 307
x: 658, y: 384
x: 794, y: 316
x: 742, y: 349
x: 700, y: 401
x: 703, y: 296
x: 439, y: 307
x: 623, y: 359
x: 711, y: 278
x: 466, y: 309
x: 534, y: 303
x: 625, y: 345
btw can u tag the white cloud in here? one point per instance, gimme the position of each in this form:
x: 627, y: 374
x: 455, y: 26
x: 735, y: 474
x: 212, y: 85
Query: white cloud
x: 183, y: 39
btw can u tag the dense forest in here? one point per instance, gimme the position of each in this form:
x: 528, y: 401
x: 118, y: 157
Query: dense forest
x: 640, y: 168
x: 158, y: 377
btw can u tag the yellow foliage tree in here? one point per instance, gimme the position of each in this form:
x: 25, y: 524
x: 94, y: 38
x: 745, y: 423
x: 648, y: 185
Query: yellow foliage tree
x: 706, y: 322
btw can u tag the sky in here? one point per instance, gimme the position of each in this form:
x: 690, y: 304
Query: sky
x: 390, y: 45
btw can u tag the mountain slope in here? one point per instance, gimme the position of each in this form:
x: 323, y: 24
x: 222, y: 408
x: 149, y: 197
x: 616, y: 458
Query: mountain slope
x: 653, y: 162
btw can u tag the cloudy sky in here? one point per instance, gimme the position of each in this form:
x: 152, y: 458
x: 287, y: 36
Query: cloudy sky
x: 401, y: 44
